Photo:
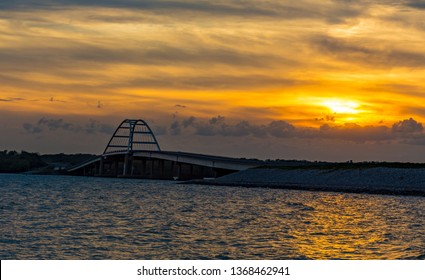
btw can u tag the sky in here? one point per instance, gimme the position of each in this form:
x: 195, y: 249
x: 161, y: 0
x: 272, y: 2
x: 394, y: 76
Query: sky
x: 332, y: 80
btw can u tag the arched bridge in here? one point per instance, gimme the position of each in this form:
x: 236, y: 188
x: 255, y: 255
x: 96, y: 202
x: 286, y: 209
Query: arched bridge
x: 133, y: 151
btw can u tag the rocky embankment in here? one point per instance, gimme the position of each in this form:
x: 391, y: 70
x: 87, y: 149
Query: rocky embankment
x: 378, y: 180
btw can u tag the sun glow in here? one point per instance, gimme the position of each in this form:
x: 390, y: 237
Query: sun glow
x: 342, y: 107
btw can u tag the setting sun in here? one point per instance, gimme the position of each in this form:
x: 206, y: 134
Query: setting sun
x: 342, y: 107
x: 237, y: 75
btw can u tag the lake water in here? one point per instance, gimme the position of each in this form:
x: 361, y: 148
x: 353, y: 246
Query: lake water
x: 61, y: 217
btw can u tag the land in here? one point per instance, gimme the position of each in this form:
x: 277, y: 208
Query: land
x: 375, y: 178
x: 27, y: 162
x: 359, y: 177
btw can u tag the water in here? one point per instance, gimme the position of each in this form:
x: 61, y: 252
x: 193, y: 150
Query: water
x: 54, y: 217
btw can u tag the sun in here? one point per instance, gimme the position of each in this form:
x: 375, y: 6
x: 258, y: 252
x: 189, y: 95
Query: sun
x: 342, y: 106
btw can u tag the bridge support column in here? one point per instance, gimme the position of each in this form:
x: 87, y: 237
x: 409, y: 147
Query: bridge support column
x: 179, y: 170
x: 162, y: 169
x: 127, y: 165
x: 101, y: 166
x: 143, y: 168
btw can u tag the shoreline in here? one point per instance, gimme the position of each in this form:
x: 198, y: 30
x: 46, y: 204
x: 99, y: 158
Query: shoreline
x: 376, y: 180
x: 310, y: 188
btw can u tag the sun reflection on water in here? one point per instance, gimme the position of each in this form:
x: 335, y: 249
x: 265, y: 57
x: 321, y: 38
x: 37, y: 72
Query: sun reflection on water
x: 93, y: 218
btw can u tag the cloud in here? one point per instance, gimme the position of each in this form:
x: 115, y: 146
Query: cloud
x: 218, y: 126
x: 11, y: 99
x: 71, y: 62
x: 219, y: 8
x: 164, y: 54
x: 361, y: 52
x: 46, y: 124
x: 189, y: 121
x: 212, y: 82
x: 96, y: 127
x: 290, y: 54
x: 159, y: 130
x: 418, y: 4
x: 243, y: 128
x: 175, y: 128
x: 406, y: 130
x: 55, y: 124
x: 333, y: 12
x: 53, y: 99
x: 354, y: 132
x: 407, y: 127
x: 217, y: 120
x: 33, y: 129
x: 280, y: 129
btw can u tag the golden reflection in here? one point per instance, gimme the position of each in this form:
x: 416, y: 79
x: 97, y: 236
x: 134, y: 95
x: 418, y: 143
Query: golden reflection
x: 340, y: 228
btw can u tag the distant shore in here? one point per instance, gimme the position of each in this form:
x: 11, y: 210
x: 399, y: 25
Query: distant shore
x: 373, y: 180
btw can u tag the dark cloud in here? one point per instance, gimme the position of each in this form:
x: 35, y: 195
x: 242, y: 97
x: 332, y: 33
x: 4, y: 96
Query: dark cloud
x: 243, y: 128
x: 61, y: 60
x: 53, y: 99
x: 71, y: 60
x: 165, y: 55
x: 175, y: 128
x: 365, y: 53
x: 68, y: 61
x: 217, y: 82
x: 280, y: 129
x: 189, y: 121
x: 217, y: 120
x: 159, y: 130
x: 418, y: 4
x: 96, y: 127
x: 408, y: 130
x: 326, y: 118
x: 219, y: 126
x: 55, y: 124
x: 31, y: 128
x: 415, y: 139
x: 404, y: 131
x: 355, y: 132
x: 59, y: 124
x: 219, y: 7
x: 407, y: 127
x: 336, y: 12
x: 11, y: 99
x: 204, y: 129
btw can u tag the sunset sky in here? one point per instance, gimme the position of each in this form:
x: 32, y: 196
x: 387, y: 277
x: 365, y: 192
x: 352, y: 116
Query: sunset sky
x: 308, y: 79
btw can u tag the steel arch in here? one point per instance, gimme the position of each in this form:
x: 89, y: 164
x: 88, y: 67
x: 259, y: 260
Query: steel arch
x: 132, y: 135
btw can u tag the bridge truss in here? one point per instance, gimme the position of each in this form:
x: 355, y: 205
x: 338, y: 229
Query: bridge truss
x: 132, y: 135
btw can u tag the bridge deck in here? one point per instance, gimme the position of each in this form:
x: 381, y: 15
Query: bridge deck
x: 183, y: 157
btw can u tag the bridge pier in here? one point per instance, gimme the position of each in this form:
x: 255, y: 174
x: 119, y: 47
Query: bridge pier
x: 146, y: 166
x: 101, y: 166
x: 128, y: 166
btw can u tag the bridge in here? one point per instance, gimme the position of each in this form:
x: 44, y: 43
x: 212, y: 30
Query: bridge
x: 134, y: 152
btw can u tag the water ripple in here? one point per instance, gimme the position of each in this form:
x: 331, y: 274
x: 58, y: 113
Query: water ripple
x: 49, y: 217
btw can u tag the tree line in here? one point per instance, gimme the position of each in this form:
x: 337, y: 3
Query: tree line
x: 17, y: 162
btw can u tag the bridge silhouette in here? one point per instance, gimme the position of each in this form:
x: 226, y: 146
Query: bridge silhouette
x: 133, y: 151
